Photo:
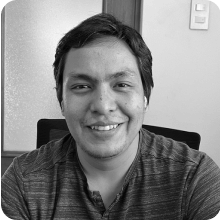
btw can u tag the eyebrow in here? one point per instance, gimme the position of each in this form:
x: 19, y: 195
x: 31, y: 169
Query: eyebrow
x: 86, y: 77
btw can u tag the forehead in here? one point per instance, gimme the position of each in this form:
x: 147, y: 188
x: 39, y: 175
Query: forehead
x: 106, y: 55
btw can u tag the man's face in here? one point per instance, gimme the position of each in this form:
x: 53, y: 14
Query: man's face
x: 103, y: 97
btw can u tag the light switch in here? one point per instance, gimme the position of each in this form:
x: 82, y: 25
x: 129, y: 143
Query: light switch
x: 199, y: 19
x: 200, y: 7
x: 199, y: 14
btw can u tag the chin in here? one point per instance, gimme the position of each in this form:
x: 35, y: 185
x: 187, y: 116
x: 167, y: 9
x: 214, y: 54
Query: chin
x: 102, y: 152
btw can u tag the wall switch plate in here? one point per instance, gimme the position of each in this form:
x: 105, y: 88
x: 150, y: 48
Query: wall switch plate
x: 200, y: 7
x: 199, y: 19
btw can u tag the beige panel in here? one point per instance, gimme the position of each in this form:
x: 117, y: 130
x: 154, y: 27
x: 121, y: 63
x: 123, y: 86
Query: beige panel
x: 32, y: 31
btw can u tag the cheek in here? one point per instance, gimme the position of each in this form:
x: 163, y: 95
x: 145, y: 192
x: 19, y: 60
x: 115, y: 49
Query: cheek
x: 134, y: 107
x: 74, y: 109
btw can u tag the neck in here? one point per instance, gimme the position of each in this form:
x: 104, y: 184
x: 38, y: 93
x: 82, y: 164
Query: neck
x: 107, y: 175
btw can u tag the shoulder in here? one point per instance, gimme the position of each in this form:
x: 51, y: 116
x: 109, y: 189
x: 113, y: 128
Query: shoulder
x: 197, y: 172
x: 168, y: 149
x: 178, y: 156
x: 45, y: 157
x: 33, y: 172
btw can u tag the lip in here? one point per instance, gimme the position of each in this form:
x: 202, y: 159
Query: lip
x: 101, y: 123
x: 106, y: 134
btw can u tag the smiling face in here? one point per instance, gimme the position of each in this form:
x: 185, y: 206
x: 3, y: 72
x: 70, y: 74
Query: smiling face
x: 103, y: 97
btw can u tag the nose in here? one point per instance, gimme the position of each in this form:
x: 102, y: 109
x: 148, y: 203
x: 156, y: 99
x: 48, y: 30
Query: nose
x: 103, y: 101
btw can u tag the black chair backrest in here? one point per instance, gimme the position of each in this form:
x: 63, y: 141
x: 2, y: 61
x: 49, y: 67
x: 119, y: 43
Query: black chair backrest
x: 50, y: 129
x: 192, y: 139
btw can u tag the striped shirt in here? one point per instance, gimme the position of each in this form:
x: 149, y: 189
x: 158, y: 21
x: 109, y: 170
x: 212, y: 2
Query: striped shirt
x: 167, y: 180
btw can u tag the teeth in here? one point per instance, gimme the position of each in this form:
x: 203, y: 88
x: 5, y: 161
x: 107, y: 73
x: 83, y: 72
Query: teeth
x: 104, y: 128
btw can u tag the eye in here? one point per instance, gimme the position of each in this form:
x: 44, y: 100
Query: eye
x: 79, y: 88
x: 122, y: 85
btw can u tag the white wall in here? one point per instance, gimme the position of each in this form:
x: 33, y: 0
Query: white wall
x: 186, y: 71
x: 186, y: 67
x: 32, y: 31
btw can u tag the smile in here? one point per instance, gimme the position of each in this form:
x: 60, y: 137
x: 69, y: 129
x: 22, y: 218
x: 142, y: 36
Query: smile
x: 104, y: 128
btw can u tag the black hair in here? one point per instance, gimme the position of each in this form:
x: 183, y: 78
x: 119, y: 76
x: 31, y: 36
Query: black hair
x: 100, y: 26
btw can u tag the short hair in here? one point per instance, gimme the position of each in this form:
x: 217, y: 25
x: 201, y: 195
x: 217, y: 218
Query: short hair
x: 100, y: 26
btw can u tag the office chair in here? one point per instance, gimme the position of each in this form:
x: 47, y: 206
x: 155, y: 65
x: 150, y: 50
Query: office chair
x: 50, y: 129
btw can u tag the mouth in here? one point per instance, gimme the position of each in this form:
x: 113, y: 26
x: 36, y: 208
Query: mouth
x: 104, y: 128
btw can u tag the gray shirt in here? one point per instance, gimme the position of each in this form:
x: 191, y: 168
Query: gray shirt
x: 167, y: 180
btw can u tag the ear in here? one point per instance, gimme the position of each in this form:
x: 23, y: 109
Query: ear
x: 145, y: 103
x: 62, y: 108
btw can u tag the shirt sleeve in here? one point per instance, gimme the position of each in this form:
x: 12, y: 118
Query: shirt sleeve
x: 203, y: 193
x: 12, y: 193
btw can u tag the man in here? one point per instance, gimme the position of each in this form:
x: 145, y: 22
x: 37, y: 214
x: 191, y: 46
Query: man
x: 109, y: 167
